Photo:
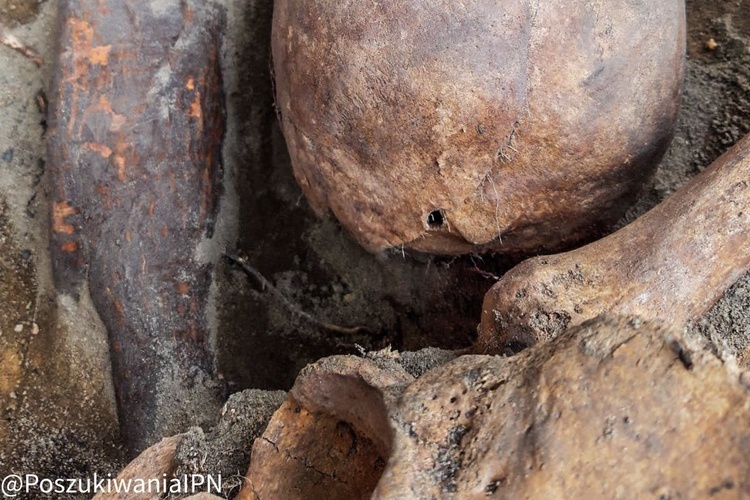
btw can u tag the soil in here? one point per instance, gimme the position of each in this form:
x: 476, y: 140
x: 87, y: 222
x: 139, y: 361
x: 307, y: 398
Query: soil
x: 56, y: 397
x: 225, y: 449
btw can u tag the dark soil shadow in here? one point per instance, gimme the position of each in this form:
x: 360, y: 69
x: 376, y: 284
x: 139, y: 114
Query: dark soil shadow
x: 404, y: 301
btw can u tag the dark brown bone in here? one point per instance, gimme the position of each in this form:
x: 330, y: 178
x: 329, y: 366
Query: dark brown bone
x: 135, y: 138
x: 671, y: 264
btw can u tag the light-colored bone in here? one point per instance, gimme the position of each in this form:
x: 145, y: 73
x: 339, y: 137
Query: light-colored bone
x: 14, y: 43
x: 616, y: 408
x: 672, y: 264
x: 560, y: 420
x: 156, y: 462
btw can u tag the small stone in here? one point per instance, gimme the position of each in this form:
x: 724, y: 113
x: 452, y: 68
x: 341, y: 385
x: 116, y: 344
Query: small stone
x: 34, y: 329
x: 711, y: 44
x: 18, y: 328
x: 13, y: 395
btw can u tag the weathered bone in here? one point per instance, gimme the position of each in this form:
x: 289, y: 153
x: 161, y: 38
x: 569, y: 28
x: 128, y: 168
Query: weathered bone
x: 331, y: 438
x: 136, y: 126
x: 494, y: 132
x: 562, y: 420
x: 156, y: 462
x: 559, y: 420
x: 673, y: 263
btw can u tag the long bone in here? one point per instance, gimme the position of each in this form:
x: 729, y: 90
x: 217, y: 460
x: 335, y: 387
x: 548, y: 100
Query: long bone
x: 136, y: 127
x: 673, y: 264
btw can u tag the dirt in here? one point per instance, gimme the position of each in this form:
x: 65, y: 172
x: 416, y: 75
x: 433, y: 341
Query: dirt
x: 14, y: 12
x: 225, y: 449
x: 60, y: 419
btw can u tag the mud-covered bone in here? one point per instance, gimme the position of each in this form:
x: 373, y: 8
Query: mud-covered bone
x: 136, y: 125
x: 673, y: 264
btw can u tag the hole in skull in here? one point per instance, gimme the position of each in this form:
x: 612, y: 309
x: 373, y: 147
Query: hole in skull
x: 435, y: 219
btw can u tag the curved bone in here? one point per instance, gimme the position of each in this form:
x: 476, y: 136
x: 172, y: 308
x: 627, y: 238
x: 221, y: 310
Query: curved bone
x: 331, y: 438
x: 156, y: 462
x: 673, y: 263
x: 494, y: 131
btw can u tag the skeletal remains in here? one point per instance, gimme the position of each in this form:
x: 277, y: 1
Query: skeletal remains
x: 563, y: 421
x: 456, y: 127
x: 559, y: 419
x: 672, y: 264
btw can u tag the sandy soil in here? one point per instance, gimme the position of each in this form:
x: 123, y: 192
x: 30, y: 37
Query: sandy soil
x: 56, y: 398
